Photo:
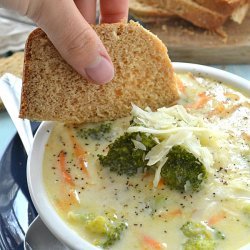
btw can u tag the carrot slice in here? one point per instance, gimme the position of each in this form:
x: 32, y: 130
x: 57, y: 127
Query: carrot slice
x: 79, y: 153
x: 69, y: 198
x: 180, y: 86
x: 171, y: 214
x: 174, y: 213
x: 150, y: 243
x: 217, y: 218
x: 62, y: 164
x: 160, y: 184
x: 201, y: 102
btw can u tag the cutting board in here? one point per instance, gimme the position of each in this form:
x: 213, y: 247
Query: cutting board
x: 187, y: 43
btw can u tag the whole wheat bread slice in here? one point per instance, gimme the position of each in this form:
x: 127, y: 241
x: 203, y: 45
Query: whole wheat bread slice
x: 189, y: 10
x: 52, y: 90
x: 195, y: 13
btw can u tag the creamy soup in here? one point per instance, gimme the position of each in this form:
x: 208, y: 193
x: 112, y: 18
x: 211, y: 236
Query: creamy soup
x: 144, y: 210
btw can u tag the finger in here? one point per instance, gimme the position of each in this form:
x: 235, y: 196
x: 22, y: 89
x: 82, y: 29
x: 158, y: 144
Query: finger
x: 113, y: 11
x: 76, y: 41
x: 87, y: 9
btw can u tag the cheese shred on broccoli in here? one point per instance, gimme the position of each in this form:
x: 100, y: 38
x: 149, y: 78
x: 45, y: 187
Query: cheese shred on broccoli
x: 171, y: 142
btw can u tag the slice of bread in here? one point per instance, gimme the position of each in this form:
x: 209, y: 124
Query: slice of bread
x: 240, y: 13
x: 147, y: 9
x: 189, y: 10
x: 195, y: 13
x: 202, y: 13
x: 52, y: 90
x: 225, y: 7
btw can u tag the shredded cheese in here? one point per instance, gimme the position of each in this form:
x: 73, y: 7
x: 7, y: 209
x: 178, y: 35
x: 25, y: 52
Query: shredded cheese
x: 175, y: 126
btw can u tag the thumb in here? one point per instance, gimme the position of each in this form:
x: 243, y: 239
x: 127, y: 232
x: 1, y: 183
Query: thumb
x: 73, y: 37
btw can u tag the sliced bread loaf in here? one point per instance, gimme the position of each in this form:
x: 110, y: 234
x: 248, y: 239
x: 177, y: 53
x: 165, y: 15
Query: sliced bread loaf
x: 189, y: 10
x: 195, y: 13
x: 52, y: 90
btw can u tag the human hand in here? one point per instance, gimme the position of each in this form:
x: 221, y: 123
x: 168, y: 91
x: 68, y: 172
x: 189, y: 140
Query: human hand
x: 67, y: 24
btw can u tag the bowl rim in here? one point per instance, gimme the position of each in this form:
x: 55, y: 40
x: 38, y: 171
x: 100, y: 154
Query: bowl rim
x: 49, y: 216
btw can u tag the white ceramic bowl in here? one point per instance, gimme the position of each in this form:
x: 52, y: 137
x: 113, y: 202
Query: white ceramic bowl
x: 34, y: 166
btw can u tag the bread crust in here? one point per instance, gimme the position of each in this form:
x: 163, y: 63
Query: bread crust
x: 195, y: 13
x: 202, y: 13
x: 225, y: 7
x: 148, y: 9
x: 52, y: 90
x: 26, y: 69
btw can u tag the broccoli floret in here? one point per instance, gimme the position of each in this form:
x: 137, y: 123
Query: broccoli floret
x: 199, y: 243
x: 107, y: 231
x: 99, y: 224
x: 200, y: 236
x: 194, y: 229
x: 113, y: 234
x: 96, y: 133
x: 123, y: 157
x: 183, y: 168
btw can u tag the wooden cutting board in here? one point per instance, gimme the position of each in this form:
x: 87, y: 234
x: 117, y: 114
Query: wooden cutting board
x: 186, y: 43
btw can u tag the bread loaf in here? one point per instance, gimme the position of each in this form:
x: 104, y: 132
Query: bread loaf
x: 202, y: 13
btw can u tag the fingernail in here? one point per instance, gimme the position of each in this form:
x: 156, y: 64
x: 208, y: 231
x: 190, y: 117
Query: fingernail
x: 101, y: 71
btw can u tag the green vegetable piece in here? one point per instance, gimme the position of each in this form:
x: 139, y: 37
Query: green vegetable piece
x: 199, y: 243
x: 96, y: 133
x: 196, y: 229
x: 106, y: 230
x: 183, y: 168
x: 98, y: 225
x: 123, y: 158
x: 113, y: 234
x: 200, y: 236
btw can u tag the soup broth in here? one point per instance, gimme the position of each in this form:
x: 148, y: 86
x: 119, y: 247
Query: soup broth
x: 79, y: 186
